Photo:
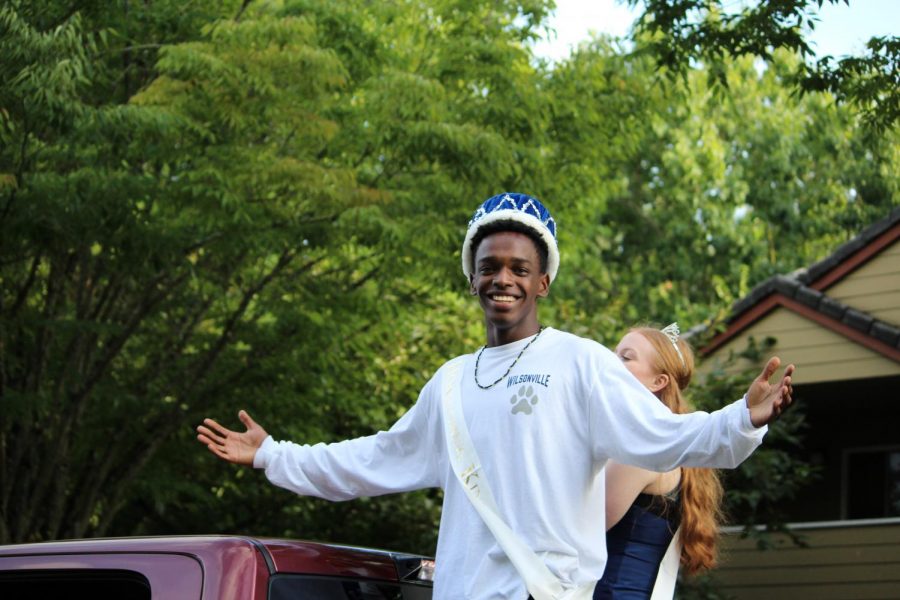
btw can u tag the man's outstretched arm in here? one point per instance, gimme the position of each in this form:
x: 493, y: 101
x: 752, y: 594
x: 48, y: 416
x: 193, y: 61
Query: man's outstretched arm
x: 235, y: 447
x: 767, y: 401
x: 631, y: 426
x: 398, y: 460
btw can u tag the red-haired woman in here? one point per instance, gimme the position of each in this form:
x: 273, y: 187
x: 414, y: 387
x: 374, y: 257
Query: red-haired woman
x: 644, y: 508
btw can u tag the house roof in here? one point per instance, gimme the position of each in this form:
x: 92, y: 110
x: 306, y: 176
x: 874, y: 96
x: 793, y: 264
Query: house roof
x: 806, y: 292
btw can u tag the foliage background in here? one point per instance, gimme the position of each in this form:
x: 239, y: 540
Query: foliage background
x: 214, y: 205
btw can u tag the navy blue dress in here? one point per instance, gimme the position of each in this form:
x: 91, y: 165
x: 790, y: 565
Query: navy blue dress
x: 636, y: 546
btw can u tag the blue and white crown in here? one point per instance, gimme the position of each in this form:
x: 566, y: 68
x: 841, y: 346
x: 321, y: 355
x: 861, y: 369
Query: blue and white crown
x: 514, y: 207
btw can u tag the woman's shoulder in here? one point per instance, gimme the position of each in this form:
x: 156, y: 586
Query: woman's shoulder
x: 664, y: 484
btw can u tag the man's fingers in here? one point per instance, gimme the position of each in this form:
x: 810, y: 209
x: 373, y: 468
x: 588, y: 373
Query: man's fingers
x: 770, y: 368
x: 214, y: 447
x: 246, y: 419
x: 786, y: 391
x: 216, y: 436
x: 208, y: 437
x: 787, y: 384
x: 216, y: 428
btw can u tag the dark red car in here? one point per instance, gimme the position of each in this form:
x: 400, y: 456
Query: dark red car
x: 208, y: 568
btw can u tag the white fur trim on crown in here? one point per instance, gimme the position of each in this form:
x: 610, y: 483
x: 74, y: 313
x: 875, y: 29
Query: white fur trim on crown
x: 508, y: 214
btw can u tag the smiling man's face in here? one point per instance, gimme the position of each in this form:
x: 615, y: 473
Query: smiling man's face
x: 507, y: 279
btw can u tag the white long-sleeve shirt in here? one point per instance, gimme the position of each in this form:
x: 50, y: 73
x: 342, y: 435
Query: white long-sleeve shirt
x: 543, y: 435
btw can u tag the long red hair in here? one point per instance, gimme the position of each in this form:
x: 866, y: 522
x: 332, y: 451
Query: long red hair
x: 701, y: 490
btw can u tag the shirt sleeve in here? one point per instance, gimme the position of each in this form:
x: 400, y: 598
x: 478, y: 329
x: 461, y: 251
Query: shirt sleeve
x: 630, y: 425
x: 402, y: 459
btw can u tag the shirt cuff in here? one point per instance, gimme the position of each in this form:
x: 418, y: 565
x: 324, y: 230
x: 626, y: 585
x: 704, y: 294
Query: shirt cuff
x: 747, y: 425
x: 263, y: 453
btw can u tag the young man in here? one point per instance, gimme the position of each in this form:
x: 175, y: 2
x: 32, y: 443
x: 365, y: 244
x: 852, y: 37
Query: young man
x: 545, y: 411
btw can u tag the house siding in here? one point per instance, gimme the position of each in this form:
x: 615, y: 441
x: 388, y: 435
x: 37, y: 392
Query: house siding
x: 819, y: 354
x: 842, y: 560
x: 874, y: 287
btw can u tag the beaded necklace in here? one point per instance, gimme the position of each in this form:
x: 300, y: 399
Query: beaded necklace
x: 499, y: 379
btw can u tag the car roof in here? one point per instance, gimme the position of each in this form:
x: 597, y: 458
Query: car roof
x: 280, y: 555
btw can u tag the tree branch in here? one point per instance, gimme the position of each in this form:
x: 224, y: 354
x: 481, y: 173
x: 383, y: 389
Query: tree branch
x: 22, y: 294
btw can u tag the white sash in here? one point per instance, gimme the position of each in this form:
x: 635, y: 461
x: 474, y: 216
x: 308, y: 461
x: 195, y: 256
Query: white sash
x: 542, y: 584
x: 664, y: 588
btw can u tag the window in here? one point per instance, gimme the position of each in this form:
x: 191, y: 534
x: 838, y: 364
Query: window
x: 85, y: 583
x: 871, y: 483
x: 307, y: 587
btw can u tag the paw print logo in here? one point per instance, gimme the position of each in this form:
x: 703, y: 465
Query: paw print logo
x: 523, y: 400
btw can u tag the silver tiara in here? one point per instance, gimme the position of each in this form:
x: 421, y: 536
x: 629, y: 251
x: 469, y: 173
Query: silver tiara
x: 672, y: 333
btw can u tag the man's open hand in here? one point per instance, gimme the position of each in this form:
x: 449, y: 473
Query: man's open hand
x: 238, y: 448
x: 767, y: 401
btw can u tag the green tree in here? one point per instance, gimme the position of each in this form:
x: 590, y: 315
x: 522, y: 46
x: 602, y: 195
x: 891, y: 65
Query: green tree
x: 678, y: 32
x: 146, y: 241
x: 697, y: 197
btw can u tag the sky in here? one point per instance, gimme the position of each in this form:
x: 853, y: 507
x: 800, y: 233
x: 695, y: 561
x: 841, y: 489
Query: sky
x: 841, y: 31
